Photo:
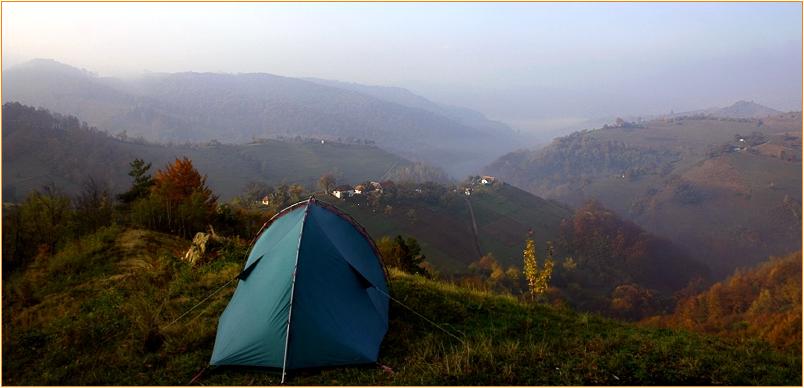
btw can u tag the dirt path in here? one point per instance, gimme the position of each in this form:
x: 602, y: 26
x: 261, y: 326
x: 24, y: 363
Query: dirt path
x: 474, y: 227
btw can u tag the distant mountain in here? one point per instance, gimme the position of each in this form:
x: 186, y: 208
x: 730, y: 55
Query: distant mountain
x: 236, y: 108
x: 407, y: 98
x: 728, y: 189
x: 739, y: 110
x: 41, y: 148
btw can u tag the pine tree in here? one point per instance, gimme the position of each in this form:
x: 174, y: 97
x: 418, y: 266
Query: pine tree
x: 141, y: 186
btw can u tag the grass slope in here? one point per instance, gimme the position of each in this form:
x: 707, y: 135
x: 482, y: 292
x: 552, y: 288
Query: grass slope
x: 503, y: 213
x: 98, y: 312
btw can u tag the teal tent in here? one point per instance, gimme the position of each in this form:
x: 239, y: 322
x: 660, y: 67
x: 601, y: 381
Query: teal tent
x: 312, y: 293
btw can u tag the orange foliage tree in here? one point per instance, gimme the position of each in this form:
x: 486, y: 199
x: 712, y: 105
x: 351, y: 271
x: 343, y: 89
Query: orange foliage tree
x: 179, y: 202
x: 763, y: 302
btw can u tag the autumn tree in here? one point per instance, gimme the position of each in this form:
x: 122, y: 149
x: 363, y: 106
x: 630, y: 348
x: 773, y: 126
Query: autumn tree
x: 327, y: 182
x: 179, y: 202
x: 494, y: 276
x: 761, y: 302
x: 538, y: 278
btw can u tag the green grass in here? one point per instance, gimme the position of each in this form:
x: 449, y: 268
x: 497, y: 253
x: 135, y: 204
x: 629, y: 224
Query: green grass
x: 504, y: 214
x: 98, y: 313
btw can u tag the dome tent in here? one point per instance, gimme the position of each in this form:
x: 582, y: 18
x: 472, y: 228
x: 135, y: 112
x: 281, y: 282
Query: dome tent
x: 312, y: 293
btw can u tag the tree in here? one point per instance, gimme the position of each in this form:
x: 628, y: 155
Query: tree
x: 180, y: 202
x: 141, y: 186
x: 93, y: 207
x: 280, y: 197
x: 35, y: 226
x: 327, y: 182
x: 493, y: 274
x: 538, y: 278
x: 296, y: 192
x: 254, y: 192
x: 404, y: 254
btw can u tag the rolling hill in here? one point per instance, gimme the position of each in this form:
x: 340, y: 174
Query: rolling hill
x: 611, y: 257
x: 41, y: 148
x: 236, y: 108
x: 739, y: 110
x: 442, y: 223
x: 100, y: 312
x: 727, y: 189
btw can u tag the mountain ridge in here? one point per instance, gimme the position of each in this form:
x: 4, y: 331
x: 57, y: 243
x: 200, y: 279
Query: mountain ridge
x: 239, y: 107
x: 40, y: 148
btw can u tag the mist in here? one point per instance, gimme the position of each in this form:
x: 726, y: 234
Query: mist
x: 535, y: 66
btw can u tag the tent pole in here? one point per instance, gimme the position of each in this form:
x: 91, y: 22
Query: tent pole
x: 292, y: 293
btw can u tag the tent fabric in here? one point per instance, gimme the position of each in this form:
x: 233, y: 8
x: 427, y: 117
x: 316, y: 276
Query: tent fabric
x: 336, y: 312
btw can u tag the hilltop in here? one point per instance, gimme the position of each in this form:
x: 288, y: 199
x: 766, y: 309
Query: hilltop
x: 40, y: 148
x: 739, y: 110
x: 99, y: 312
x: 235, y: 108
x: 729, y: 190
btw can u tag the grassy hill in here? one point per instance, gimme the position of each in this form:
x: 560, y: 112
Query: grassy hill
x: 40, y: 148
x: 99, y: 311
x: 730, y: 202
x: 616, y: 267
x: 503, y: 214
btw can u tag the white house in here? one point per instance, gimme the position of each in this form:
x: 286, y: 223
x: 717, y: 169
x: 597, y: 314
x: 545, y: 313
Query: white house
x: 343, y: 192
x: 487, y: 180
x: 266, y: 201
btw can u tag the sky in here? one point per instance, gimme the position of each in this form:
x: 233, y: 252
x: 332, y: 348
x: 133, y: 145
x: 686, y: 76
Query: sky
x: 523, y: 63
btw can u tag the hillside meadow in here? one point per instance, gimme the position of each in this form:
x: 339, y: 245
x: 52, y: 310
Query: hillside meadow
x: 101, y: 311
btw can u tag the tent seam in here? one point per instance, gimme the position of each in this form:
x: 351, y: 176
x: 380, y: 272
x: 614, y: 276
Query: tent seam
x: 293, y: 290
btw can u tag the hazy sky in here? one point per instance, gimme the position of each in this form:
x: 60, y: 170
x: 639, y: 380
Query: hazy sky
x: 512, y: 61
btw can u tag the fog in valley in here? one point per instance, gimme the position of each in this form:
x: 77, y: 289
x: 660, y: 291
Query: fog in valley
x: 539, y: 67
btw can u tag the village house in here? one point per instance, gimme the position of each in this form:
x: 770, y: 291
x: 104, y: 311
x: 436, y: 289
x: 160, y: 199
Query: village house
x: 266, y: 200
x: 341, y: 192
x: 487, y: 179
